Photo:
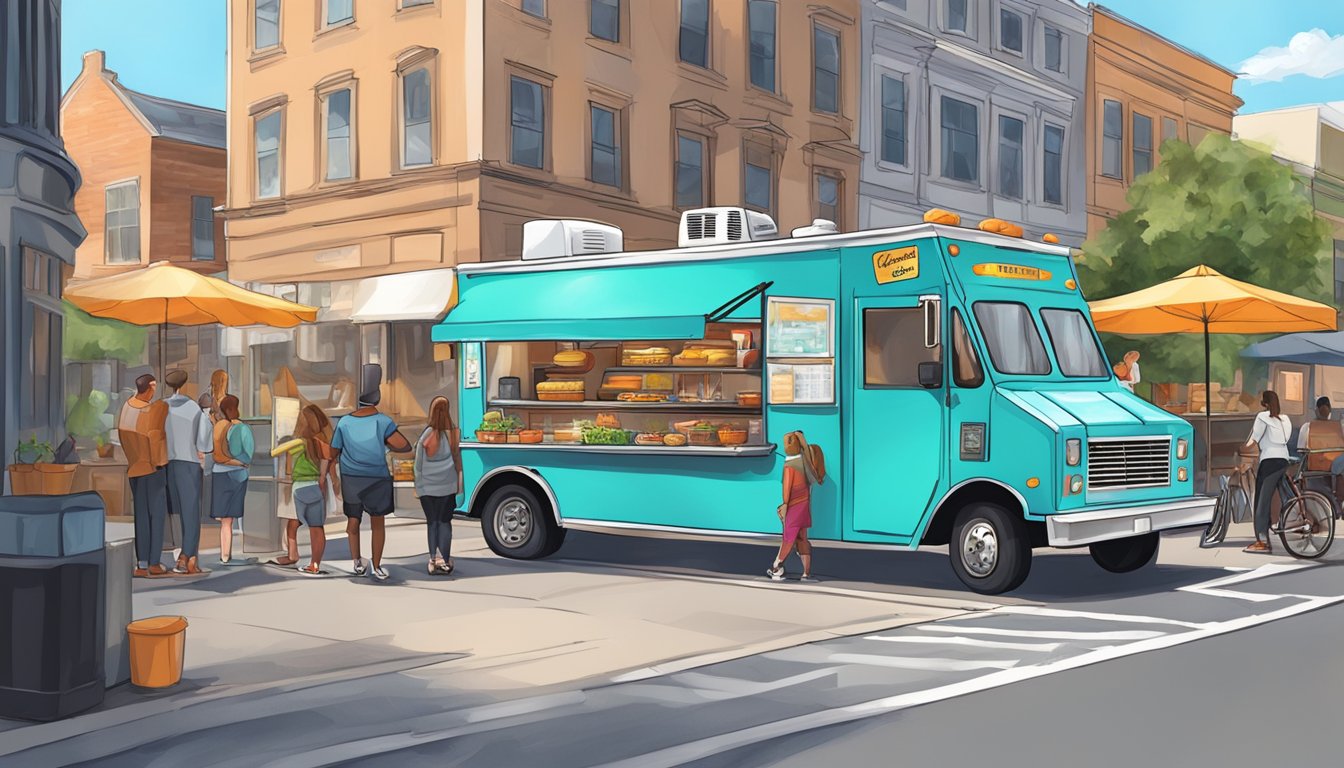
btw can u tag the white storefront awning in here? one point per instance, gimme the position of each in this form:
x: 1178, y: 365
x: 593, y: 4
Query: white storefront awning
x: 425, y: 295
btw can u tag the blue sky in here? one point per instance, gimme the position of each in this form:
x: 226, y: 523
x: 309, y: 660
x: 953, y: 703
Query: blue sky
x: 175, y: 48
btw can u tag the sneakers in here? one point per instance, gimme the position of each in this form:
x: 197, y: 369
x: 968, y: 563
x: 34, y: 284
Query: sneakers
x: 808, y: 577
x: 359, y: 568
x: 379, y: 573
x: 775, y: 572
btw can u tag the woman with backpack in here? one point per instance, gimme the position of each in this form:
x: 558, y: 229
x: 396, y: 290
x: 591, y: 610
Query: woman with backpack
x: 1271, y: 432
x: 802, y: 470
x: 233, y: 454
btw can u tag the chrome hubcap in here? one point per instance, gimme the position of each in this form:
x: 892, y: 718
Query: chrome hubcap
x: 979, y: 549
x: 513, y: 523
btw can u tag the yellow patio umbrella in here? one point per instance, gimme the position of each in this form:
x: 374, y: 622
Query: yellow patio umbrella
x: 163, y: 295
x: 1202, y: 300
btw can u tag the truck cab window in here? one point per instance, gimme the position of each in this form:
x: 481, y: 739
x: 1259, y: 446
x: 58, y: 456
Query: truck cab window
x: 1015, y: 345
x: 893, y: 347
x: 1075, y: 346
x: 966, y: 369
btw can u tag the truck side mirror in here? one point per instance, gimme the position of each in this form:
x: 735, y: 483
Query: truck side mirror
x: 931, y: 375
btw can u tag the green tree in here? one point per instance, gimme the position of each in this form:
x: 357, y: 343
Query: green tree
x: 1227, y: 204
x: 95, y: 338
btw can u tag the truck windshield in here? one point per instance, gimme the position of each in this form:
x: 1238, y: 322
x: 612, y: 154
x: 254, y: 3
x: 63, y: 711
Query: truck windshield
x: 1015, y: 345
x: 1075, y: 346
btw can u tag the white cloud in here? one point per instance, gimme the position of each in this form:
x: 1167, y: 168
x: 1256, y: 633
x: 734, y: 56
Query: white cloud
x: 1313, y: 53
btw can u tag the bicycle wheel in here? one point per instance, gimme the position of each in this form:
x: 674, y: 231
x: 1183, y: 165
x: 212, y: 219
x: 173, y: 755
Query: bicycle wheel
x: 1307, y: 525
x: 1222, y: 518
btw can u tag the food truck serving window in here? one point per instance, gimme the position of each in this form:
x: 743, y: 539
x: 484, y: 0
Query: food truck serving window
x: 1015, y: 345
x: 1075, y: 346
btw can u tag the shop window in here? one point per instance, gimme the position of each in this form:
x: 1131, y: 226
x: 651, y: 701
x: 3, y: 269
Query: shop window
x: 266, y: 24
x: 1054, y: 49
x: 604, y: 159
x: 604, y: 19
x: 121, y: 223
x: 1010, y: 31
x: 266, y: 130
x: 966, y: 369
x: 1011, y: 131
x: 336, y: 114
x: 893, y: 120
x: 527, y: 123
x: 893, y: 347
x: 317, y: 362
x: 761, y: 25
x: 1143, y: 144
x: 43, y: 324
x: 417, y: 145
x: 690, y: 171
x: 1112, y: 139
x: 961, y: 140
x: 1052, y: 190
x: 693, y: 40
x: 825, y: 70
x: 202, y: 228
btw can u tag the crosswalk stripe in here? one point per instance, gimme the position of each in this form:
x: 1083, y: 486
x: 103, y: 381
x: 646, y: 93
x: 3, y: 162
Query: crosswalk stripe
x: 961, y: 629
x: 1031, y: 610
x: 996, y: 644
x: 918, y: 662
x: 717, y: 687
x: 1214, y: 588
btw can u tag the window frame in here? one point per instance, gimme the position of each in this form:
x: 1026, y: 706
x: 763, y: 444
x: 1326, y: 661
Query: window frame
x: 1004, y: 13
x: 277, y: 111
x: 943, y: 145
x: 863, y: 347
x: 819, y: 29
x: 1046, y: 29
x: 522, y: 6
x: 427, y: 60
x: 989, y: 347
x: 210, y: 207
x: 1021, y: 148
x: 324, y: 131
x: 324, y: 20
x: 139, y: 223
x: 257, y: 48
x: 1135, y: 151
x: 703, y: 142
x: 968, y: 16
x: 36, y: 297
x: 774, y: 48
x: 957, y: 326
x: 620, y: 22
x: 544, y: 129
x: 1175, y: 124
x: 1097, y: 347
x: 1118, y: 139
x: 406, y: 5
x: 708, y: 45
x: 617, y: 149
x: 1046, y: 126
x: 882, y: 78
x: 836, y: 177
x: 752, y: 145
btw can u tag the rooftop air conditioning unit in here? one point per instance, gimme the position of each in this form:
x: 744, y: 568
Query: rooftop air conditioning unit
x: 817, y: 227
x: 719, y: 226
x: 551, y: 238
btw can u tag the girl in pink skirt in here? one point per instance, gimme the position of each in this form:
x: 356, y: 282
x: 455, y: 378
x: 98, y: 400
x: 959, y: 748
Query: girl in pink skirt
x: 796, y: 511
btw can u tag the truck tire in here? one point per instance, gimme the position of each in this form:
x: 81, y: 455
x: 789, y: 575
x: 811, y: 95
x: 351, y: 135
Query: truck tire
x: 1128, y: 554
x: 990, y: 549
x: 518, y: 525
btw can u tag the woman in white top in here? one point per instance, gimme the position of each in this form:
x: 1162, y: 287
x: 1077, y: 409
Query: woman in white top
x: 1271, y: 432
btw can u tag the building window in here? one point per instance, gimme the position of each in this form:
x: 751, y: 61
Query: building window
x: 825, y: 70
x: 758, y: 177
x: 417, y: 146
x: 267, y: 143
x: 1339, y: 272
x: 527, y: 122
x: 1010, y: 31
x: 42, y: 329
x: 1170, y: 130
x: 414, y: 3
x: 761, y: 21
x: 1054, y: 49
x: 690, y: 172
x: 1143, y: 144
x: 893, y: 120
x: 605, y: 149
x: 535, y: 8
x: 337, y: 112
x: 1112, y: 139
x: 266, y: 24
x: 956, y: 15
x: 693, y: 43
x: 961, y: 140
x: 1196, y: 133
x: 1053, y: 165
x: 121, y: 223
x: 339, y: 12
x: 202, y: 228
x: 1011, y: 131
x: 604, y: 19
x: 828, y: 197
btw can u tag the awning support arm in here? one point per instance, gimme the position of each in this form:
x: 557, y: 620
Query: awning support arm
x: 737, y: 301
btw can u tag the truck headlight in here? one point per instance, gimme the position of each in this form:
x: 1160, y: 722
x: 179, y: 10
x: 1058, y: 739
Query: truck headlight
x: 1073, y: 451
x: 1182, y: 475
x: 1182, y: 448
x: 1076, y: 484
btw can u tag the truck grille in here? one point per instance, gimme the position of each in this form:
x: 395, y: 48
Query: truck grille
x: 1128, y: 462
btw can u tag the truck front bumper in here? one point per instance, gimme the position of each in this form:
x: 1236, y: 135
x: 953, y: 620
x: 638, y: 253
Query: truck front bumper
x: 1079, y: 528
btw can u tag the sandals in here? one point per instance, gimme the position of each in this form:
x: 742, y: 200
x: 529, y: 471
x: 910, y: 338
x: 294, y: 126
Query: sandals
x: 1259, y: 548
x: 311, y: 569
x: 440, y: 568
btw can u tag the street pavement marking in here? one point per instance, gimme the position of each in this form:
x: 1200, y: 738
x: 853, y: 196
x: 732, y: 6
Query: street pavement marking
x: 1213, y: 588
x: 716, y: 687
x: 1124, y: 618
x: 961, y: 629
x: 922, y: 663
x: 715, y: 745
x: 996, y: 644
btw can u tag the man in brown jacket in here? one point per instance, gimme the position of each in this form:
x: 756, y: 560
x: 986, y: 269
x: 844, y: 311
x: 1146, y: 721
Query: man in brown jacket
x: 141, y: 429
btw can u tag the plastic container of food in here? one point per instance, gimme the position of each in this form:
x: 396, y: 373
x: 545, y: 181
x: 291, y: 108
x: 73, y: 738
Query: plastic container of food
x: 732, y: 436
x: 749, y: 398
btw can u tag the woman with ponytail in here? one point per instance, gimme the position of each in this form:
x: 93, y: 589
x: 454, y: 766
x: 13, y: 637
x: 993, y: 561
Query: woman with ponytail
x: 438, y: 479
x: 1271, y: 433
x: 800, y: 474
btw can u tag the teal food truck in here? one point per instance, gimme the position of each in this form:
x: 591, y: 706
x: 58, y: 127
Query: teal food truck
x: 951, y: 376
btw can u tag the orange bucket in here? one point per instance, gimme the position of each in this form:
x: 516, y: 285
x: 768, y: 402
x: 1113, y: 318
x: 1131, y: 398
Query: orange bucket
x: 158, y: 646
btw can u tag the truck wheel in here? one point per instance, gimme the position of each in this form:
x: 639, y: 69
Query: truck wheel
x: 518, y: 525
x: 990, y: 549
x: 1128, y: 554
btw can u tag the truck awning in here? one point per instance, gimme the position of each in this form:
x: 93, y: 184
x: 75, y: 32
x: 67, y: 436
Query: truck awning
x: 424, y: 295
x: 593, y: 305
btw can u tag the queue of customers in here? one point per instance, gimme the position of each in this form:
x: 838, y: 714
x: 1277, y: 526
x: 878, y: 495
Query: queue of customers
x: 194, y: 456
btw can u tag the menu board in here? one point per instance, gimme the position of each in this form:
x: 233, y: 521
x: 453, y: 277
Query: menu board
x: 471, y: 366
x: 799, y: 327
x: 801, y: 383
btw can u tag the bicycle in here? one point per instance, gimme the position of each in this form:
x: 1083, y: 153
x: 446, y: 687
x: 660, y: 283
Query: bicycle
x: 1306, y: 524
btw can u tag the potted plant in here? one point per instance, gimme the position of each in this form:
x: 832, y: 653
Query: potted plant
x: 32, y: 475
x: 104, y: 447
x: 496, y: 428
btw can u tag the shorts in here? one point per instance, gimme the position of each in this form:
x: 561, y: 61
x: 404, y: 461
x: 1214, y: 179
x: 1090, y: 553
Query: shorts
x: 310, y: 505
x: 366, y: 494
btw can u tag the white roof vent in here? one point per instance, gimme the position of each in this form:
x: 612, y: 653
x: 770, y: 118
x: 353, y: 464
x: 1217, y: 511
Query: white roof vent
x: 719, y: 226
x: 818, y: 227
x: 551, y: 238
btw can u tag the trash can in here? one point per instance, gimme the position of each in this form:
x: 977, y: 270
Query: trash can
x: 52, y: 605
x: 158, y: 646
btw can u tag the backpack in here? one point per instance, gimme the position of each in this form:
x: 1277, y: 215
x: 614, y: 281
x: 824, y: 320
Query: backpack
x: 816, y: 461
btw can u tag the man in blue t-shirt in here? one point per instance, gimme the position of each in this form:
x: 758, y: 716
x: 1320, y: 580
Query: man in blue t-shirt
x: 361, y: 441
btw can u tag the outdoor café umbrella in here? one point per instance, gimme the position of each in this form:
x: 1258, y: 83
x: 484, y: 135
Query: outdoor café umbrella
x: 162, y: 294
x: 1201, y: 300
